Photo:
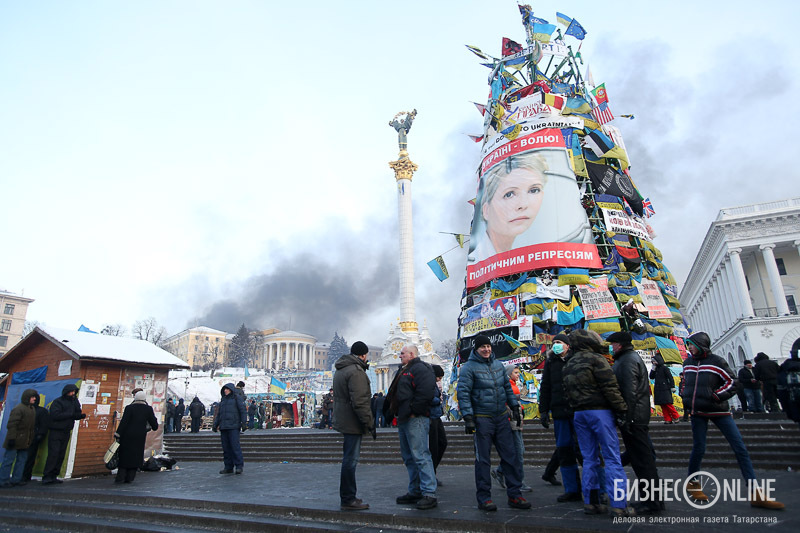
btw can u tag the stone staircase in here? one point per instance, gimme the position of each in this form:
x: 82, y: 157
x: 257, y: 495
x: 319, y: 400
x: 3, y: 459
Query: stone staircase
x: 772, y: 444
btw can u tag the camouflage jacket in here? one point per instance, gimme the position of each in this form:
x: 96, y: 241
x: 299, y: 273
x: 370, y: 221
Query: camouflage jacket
x: 590, y: 383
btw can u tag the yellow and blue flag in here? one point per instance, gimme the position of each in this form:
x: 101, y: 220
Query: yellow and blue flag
x: 569, y: 313
x: 277, y: 387
x: 439, y: 268
x: 562, y: 19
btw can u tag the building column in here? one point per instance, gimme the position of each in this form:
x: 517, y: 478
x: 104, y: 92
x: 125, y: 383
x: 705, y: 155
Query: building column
x: 736, y: 300
x: 726, y: 297
x: 727, y: 292
x: 717, y: 301
x: 774, y: 279
x: 741, y: 282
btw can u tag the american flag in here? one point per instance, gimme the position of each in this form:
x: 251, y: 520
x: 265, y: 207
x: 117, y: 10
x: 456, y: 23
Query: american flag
x: 648, y: 208
x: 602, y: 114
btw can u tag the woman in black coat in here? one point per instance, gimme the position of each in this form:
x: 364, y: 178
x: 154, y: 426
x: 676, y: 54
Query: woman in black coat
x: 131, y: 435
x: 663, y: 385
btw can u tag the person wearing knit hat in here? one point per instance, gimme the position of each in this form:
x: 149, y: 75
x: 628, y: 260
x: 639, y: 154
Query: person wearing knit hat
x: 708, y: 384
x: 553, y: 400
x: 437, y: 437
x: 634, y: 384
x: 137, y: 419
x: 483, y: 394
x: 352, y: 418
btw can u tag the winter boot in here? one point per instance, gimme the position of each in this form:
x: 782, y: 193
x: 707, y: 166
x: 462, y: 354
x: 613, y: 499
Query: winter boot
x: 759, y: 500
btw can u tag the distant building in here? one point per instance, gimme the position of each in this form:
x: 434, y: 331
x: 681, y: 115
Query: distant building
x: 321, y: 350
x: 13, y: 309
x: 743, y: 286
x: 199, y: 346
x: 288, y: 350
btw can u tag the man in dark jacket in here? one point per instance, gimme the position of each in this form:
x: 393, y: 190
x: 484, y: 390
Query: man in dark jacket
x: 789, y: 384
x: 64, y: 411
x: 593, y: 393
x: 553, y: 399
x: 231, y: 417
x: 137, y: 419
x: 169, y: 418
x: 252, y: 410
x: 196, y: 411
x: 40, y: 433
x: 380, y: 420
x: 484, y: 398
x: 751, y: 386
x: 180, y: 410
x: 766, y: 371
x: 634, y: 384
x: 409, y: 399
x: 353, y: 419
x: 709, y: 383
x: 21, y: 427
x: 327, y: 410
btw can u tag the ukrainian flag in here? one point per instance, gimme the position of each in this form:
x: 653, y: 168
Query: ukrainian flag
x: 277, y: 387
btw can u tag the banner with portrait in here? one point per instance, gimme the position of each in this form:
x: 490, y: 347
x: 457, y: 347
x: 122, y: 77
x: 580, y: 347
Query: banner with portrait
x: 528, y: 213
x: 489, y: 315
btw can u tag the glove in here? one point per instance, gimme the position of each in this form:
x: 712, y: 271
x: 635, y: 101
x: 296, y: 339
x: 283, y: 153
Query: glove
x: 83, y: 415
x: 622, y: 421
x: 469, y: 425
x: 544, y: 419
x: 516, y: 415
x: 214, y: 429
x: 374, y: 433
x: 11, y: 444
x: 244, y: 428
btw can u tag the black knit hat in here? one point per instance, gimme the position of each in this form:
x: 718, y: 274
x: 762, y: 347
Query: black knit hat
x: 622, y: 337
x: 438, y: 371
x: 240, y: 384
x: 359, y: 348
x: 480, y: 340
x: 563, y: 337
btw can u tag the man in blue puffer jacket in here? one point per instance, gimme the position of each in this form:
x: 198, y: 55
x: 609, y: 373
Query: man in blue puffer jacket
x: 483, y: 393
x: 231, y: 416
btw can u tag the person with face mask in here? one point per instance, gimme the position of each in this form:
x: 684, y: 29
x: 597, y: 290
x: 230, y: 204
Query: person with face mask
x: 553, y: 400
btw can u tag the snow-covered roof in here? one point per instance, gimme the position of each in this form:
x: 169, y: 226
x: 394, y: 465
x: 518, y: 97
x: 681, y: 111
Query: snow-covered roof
x: 96, y: 346
x: 289, y: 335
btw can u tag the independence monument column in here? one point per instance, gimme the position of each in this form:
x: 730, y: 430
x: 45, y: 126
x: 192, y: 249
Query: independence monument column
x: 404, y: 170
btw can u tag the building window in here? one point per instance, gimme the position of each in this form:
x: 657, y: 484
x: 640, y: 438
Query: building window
x: 9, y: 310
x: 3, y: 341
x: 781, y: 266
x: 5, y: 326
x: 197, y: 337
x: 195, y: 348
x: 792, y: 304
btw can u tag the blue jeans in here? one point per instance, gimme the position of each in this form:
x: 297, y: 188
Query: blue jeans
x: 495, y: 430
x: 728, y: 428
x: 9, y: 458
x: 595, y: 428
x: 417, y: 456
x: 563, y: 429
x: 168, y: 424
x: 379, y: 419
x: 347, y: 480
x: 231, y: 449
x: 519, y: 445
x: 754, y: 400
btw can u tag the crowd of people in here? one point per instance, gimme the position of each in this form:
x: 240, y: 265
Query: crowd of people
x: 589, y: 392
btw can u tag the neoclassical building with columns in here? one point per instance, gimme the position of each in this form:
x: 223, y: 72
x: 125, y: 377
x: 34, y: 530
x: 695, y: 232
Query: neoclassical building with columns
x: 743, y: 286
x: 287, y: 350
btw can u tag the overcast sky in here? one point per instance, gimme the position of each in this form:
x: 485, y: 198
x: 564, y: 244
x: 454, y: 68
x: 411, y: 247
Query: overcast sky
x: 217, y: 163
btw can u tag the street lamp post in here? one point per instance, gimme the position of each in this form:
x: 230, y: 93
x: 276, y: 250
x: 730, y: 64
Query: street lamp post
x: 186, y: 388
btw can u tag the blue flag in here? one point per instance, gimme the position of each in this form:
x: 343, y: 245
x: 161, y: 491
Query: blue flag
x: 439, y: 268
x: 576, y: 30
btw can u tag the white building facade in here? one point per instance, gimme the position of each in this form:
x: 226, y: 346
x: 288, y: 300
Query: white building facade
x: 288, y: 350
x: 743, y: 286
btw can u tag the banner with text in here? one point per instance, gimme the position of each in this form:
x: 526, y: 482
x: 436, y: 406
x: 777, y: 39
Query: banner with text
x: 596, y: 300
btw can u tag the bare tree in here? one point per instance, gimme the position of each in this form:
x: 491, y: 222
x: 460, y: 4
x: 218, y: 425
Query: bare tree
x: 447, y: 349
x: 149, y: 330
x: 114, y: 330
x: 29, y: 325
